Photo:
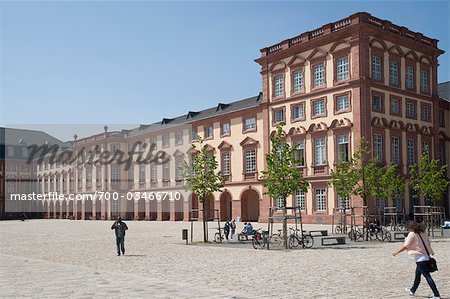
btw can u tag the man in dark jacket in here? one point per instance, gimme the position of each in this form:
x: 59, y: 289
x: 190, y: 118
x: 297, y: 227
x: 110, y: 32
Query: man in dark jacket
x: 120, y: 228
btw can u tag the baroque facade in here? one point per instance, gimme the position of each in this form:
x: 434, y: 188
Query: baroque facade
x: 359, y: 77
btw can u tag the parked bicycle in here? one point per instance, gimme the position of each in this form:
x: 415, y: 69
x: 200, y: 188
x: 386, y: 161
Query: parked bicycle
x: 277, y: 239
x: 341, y: 228
x: 296, y: 238
x: 259, y: 239
x: 219, y: 236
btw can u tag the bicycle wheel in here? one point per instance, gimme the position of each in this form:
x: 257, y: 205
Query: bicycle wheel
x: 386, y: 236
x: 338, y: 230
x: 308, y: 241
x: 352, y: 234
x: 257, y: 244
x: 276, y: 240
x: 293, y: 241
x: 217, y: 238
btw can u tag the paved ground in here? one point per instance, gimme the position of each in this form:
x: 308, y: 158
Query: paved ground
x: 77, y: 259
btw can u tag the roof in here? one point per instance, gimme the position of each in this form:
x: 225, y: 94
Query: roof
x: 193, y: 116
x: 21, y: 137
x: 444, y: 90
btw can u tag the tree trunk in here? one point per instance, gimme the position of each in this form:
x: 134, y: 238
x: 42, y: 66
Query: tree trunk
x: 285, y: 225
x: 205, y: 221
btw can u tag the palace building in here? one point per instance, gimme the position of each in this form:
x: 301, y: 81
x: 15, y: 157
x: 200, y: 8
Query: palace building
x: 359, y: 77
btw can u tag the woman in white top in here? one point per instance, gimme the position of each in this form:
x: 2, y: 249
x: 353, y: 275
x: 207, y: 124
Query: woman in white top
x: 414, y: 244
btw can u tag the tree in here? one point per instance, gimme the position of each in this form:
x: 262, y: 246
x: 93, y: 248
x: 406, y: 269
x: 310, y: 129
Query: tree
x: 392, y: 184
x: 427, y: 178
x: 282, y: 176
x: 201, y: 178
x: 344, y: 178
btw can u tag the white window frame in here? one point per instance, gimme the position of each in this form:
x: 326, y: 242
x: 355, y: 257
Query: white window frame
x: 376, y: 67
x: 298, y: 81
x: 410, y: 151
x: 226, y: 163
x: 278, y: 115
x: 321, y: 199
x: 278, y: 86
x: 250, y: 161
x: 319, y: 74
x: 393, y: 72
x: 409, y: 77
x: 424, y: 82
x: 343, y: 140
x: 378, y: 146
x: 319, y: 107
x: 249, y: 124
x: 395, y: 150
x: 320, y: 148
x: 343, y: 102
x: 298, y: 112
x: 299, y: 199
x: 342, y: 68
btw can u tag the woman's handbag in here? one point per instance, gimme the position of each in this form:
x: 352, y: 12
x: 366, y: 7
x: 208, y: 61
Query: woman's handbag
x: 432, y: 265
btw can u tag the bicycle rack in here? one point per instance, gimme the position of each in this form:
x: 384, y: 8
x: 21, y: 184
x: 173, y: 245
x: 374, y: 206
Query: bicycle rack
x: 392, y: 216
x: 342, y: 215
x: 432, y: 216
x: 284, y: 217
x: 216, y: 216
x: 363, y: 214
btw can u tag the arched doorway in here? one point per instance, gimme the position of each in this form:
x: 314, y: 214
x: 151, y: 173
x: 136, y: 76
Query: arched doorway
x: 98, y: 209
x: 79, y: 207
x: 209, y: 207
x: 250, y: 205
x: 194, y: 205
x: 141, y: 209
x: 70, y: 209
x: 179, y: 208
x: 153, y: 210
x: 129, y: 212
x: 165, y: 209
x: 225, y: 206
x: 88, y: 209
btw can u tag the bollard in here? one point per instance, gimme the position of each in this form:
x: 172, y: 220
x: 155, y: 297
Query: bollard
x: 184, y: 234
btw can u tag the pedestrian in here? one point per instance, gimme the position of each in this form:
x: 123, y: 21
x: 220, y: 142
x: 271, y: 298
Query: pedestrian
x: 226, y: 229
x: 233, y: 228
x: 418, y: 245
x: 120, y: 227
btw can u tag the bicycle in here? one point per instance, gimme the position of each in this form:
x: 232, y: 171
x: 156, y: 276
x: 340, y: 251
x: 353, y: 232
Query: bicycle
x: 219, y: 236
x: 259, y: 239
x: 295, y: 239
x: 355, y: 233
x: 277, y: 238
x: 340, y: 228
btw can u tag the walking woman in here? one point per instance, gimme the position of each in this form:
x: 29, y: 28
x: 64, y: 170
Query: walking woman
x: 415, y: 244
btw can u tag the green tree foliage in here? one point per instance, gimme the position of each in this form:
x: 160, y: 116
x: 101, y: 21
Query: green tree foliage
x: 427, y: 178
x: 282, y: 176
x: 344, y: 178
x: 392, y: 184
x: 202, y: 178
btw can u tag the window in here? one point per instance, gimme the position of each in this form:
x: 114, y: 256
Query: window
x: 395, y: 150
x: 98, y: 176
x: 298, y: 112
x: 24, y: 152
x: 165, y: 140
x: 342, y: 103
x: 166, y: 173
x: 249, y: 124
x: 193, y: 135
x: 153, y: 143
x: 319, y: 107
x: 80, y: 179
x: 376, y: 68
x: 179, y: 168
x: 320, y: 151
x: 395, y: 106
x: 226, y: 129
x: 410, y: 77
x: 425, y: 112
x: 179, y: 138
x: 411, y: 152
x: 342, y: 69
x: 10, y: 151
x: 131, y: 174
x: 114, y: 148
x: 153, y: 173
x: 208, y: 132
x: 423, y: 81
x: 321, y: 199
x: 64, y: 183
x: 410, y: 109
x: 442, y: 118
x: 250, y: 161
x: 343, y: 147
x: 115, y: 177
x: 88, y: 178
x: 278, y: 86
x: 426, y: 148
x: 226, y: 163
x: 298, y: 81
x: 319, y: 74
x: 343, y: 203
x: 299, y: 153
x: 378, y: 147
x: 393, y: 73
x: 141, y: 174
x: 278, y: 116
x: 377, y: 102
x: 280, y: 202
x: 71, y: 183
x: 299, y: 199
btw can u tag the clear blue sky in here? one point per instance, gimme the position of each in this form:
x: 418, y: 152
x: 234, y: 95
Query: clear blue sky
x: 136, y: 62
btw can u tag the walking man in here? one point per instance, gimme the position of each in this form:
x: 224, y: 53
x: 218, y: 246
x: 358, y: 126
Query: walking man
x: 120, y: 228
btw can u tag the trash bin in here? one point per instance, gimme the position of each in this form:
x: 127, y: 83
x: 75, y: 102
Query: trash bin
x: 184, y: 235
